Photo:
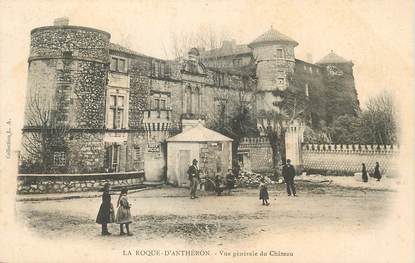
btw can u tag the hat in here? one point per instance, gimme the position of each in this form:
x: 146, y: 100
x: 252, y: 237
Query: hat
x: 194, y: 161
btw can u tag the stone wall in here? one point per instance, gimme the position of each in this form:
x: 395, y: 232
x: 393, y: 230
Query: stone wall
x: 256, y: 154
x: 347, y: 159
x: 67, y: 183
x: 84, y: 43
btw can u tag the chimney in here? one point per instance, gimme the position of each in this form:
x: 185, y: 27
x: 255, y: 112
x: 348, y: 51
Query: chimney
x: 309, y: 58
x: 61, y: 21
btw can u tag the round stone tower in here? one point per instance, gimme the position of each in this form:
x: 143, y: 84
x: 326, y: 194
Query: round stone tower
x: 274, y: 55
x: 67, y: 77
x: 68, y: 73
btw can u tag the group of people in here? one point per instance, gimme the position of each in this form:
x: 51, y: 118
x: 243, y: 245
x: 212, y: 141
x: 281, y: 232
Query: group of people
x: 219, y: 183
x: 376, y: 173
x: 288, y: 173
x: 106, y: 214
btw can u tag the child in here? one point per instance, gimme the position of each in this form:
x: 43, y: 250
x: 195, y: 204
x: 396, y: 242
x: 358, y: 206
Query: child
x: 263, y: 192
x: 106, y: 211
x: 123, y: 213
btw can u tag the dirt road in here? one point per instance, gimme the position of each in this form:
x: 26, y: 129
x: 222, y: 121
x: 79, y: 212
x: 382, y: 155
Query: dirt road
x: 168, y: 213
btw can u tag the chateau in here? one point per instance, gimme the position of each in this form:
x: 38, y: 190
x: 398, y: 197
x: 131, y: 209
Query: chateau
x: 96, y: 107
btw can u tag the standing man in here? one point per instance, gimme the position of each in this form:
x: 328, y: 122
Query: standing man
x: 288, y: 172
x: 194, y: 178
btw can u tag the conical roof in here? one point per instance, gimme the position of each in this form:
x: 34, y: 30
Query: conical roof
x: 199, y: 134
x: 333, y: 58
x: 272, y: 36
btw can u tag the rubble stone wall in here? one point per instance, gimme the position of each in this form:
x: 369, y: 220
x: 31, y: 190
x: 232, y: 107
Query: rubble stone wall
x: 258, y: 152
x: 67, y: 183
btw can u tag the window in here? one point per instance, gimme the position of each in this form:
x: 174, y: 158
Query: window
x: 280, y: 53
x: 237, y: 62
x: 116, y: 112
x: 188, y: 99
x: 196, y: 100
x: 305, y: 67
x: 118, y: 64
x: 163, y: 104
x: 113, y: 158
x: 219, y: 79
x: 138, y: 158
x: 159, y: 69
x: 311, y: 70
x: 245, y: 82
x: 306, y: 90
x: 59, y: 158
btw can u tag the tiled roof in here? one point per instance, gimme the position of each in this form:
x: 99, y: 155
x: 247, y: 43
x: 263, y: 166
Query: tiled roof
x: 272, y: 36
x: 333, y: 58
x: 119, y: 48
x: 199, y: 134
x: 223, y: 52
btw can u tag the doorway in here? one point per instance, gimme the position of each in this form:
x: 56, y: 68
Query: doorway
x: 184, y: 163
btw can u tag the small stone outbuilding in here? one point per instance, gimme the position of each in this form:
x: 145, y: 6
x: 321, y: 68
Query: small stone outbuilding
x: 212, y: 149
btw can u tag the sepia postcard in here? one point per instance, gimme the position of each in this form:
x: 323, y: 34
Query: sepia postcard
x: 207, y: 131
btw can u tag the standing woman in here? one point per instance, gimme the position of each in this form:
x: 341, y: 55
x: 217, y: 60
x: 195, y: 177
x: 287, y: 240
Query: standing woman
x: 377, y: 174
x: 364, y: 173
x: 106, y: 211
x: 123, y: 213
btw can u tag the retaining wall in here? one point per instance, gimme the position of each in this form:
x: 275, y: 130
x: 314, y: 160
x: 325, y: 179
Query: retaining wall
x: 66, y: 183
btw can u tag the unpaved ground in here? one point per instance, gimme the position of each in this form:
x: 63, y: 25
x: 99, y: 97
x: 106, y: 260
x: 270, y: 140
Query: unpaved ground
x: 168, y: 213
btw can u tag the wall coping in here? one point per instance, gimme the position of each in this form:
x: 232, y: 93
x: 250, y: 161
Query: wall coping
x: 349, y: 148
x: 70, y: 27
x: 82, y: 175
x: 254, y: 140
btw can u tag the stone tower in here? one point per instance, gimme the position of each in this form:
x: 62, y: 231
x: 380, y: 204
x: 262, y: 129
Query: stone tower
x: 340, y: 86
x: 67, y: 76
x: 274, y: 56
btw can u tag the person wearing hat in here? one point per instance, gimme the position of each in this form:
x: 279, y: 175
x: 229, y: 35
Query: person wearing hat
x: 194, y: 178
x: 288, y: 172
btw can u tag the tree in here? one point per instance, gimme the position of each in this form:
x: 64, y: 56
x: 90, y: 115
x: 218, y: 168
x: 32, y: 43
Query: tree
x: 240, y: 124
x: 290, y: 106
x: 345, y: 129
x: 205, y: 39
x: 375, y: 125
x: 378, y: 120
x: 45, y: 129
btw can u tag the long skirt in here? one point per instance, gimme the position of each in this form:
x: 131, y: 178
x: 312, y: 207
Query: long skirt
x: 123, y: 215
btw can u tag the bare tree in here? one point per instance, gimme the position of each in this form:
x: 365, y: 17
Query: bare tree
x: 205, y: 39
x: 378, y: 120
x: 45, y: 128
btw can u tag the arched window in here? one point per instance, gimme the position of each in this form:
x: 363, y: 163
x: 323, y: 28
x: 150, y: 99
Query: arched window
x: 188, y: 99
x: 196, y: 101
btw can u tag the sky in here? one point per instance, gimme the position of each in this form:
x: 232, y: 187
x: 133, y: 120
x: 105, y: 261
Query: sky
x: 377, y: 35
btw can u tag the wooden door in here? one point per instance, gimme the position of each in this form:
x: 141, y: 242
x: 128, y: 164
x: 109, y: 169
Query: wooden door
x: 184, y: 163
